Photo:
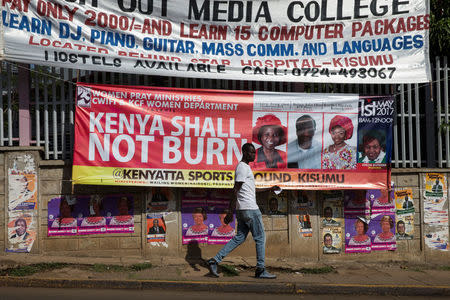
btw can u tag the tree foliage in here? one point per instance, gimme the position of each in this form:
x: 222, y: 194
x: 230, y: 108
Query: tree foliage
x: 440, y: 28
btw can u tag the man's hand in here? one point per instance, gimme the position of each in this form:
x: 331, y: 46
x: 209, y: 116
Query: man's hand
x: 275, y: 189
x: 228, y: 218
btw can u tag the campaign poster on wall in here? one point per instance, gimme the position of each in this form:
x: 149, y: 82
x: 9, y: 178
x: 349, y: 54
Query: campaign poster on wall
x: 156, y: 227
x: 404, y: 201
x: 435, y: 185
x: 149, y: 136
x: 62, y: 217
x: 194, y: 225
x: 289, y: 41
x: 332, y: 210
x: 22, y: 183
x: 218, y: 204
x: 203, y: 214
x: 302, y: 200
x: 194, y: 216
x: 405, y: 227
x: 435, y: 199
x: 21, y: 230
x: 356, y: 203
x: 434, y: 211
x: 161, y: 199
x: 357, y: 235
x: 382, y: 231
x: 436, y: 238
x: 91, y: 215
x: 332, y: 240
x: 304, y: 222
x: 382, y: 201
x: 119, y: 210
x: 219, y: 231
x: 277, y: 204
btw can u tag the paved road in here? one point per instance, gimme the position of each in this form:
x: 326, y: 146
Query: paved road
x: 93, y: 294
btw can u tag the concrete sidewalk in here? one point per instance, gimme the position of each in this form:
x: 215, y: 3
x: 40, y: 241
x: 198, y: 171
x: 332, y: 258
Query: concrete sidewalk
x: 294, y: 277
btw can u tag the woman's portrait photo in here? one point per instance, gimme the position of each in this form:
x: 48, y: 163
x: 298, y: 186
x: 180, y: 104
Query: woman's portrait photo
x: 372, y: 147
x: 269, y: 133
x: 199, y: 227
x: 381, y: 198
x: 124, y: 216
x: 361, y: 238
x: 65, y: 219
x: 355, y: 199
x: 341, y: 153
x: 224, y: 230
x: 96, y: 217
x: 386, y: 235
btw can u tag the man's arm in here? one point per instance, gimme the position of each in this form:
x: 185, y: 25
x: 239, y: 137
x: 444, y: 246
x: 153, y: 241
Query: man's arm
x: 273, y: 189
x: 232, y: 206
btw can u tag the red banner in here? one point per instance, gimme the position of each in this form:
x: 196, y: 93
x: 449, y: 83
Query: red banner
x: 184, y: 137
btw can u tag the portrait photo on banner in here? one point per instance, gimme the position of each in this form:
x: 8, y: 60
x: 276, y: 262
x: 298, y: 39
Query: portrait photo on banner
x: 269, y: 136
x: 372, y: 146
x: 304, y: 149
x: 339, y: 141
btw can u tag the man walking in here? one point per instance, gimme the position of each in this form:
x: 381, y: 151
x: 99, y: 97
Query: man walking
x: 248, y: 216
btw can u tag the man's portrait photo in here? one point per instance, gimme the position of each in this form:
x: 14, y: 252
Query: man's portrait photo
x: 401, y: 231
x: 274, y: 206
x: 328, y: 247
x: 328, y: 217
x: 21, y: 230
x: 156, y: 228
x: 304, y: 151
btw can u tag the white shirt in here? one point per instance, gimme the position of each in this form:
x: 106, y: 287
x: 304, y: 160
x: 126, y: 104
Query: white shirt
x: 377, y: 160
x: 246, y: 197
x: 305, y: 158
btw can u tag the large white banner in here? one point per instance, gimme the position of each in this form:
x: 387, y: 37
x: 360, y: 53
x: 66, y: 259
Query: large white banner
x: 347, y: 41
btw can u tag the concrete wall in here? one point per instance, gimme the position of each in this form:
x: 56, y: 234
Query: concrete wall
x: 283, y: 238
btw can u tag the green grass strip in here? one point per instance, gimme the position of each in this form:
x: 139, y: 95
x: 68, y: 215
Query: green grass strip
x: 229, y: 271
x: 27, y: 270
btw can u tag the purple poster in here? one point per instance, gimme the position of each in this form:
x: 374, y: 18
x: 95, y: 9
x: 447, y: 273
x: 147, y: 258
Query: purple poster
x: 202, y: 215
x: 91, y: 219
x: 195, y: 228
x: 382, y: 231
x: 356, y: 203
x: 219, y: 232
x: 356, y: 236
x: 119, y: 213
x: 62, y: 217
x: 381, y: 201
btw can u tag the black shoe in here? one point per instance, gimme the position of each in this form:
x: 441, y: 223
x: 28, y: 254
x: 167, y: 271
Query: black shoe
x: 262, y: 273
x: 212, y: 266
